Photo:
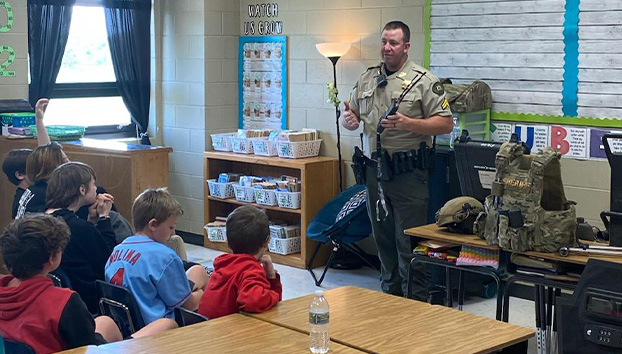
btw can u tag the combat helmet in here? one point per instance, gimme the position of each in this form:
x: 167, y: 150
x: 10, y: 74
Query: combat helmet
x: 459, y: 214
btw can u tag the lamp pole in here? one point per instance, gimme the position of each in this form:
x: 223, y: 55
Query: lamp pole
x: 337, y: 115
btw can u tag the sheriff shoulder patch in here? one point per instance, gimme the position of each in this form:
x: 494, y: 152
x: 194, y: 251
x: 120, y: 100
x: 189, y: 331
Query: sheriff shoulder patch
x: 437, y: 88
x: 445, y: 104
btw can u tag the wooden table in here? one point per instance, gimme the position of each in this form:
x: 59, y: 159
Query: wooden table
x: 372, y: 321
x: 89, y: 349
x: 231, y: 334
x: 433, y: 232
x: 125, y: 170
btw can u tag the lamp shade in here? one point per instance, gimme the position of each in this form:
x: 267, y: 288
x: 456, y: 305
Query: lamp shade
x: 333, y: 49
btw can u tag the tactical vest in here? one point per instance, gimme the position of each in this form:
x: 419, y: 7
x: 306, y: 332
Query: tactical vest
x: 464, y: 98
x: 527, y: 209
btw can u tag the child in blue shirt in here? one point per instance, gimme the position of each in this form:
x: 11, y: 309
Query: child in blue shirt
x: 153, y: 272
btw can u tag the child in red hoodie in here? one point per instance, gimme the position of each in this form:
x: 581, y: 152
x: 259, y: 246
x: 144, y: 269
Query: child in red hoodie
x: 245, y: 280
x: 35, y: 312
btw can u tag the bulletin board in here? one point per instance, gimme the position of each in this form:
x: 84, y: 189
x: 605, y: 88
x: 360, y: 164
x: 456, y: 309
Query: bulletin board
x: 262, y: 72
x: 5, y: 27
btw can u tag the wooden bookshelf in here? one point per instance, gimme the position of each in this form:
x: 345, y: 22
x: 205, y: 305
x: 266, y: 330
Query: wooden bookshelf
x: 319, y: 184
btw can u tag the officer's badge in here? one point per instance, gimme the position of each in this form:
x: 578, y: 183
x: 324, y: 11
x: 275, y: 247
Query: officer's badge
x: 445, y: 104
x: 405, y: 84
x: 437, y: 88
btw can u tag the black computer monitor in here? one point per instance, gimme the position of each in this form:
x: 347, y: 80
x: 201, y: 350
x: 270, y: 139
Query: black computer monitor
x: 475, y: 163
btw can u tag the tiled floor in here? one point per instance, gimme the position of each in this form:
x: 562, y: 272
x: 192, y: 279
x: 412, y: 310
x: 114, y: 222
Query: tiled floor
x: 298, y: 282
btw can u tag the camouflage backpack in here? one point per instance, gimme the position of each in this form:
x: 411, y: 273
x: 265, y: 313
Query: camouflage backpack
x: 464, y: 98
x: 527, y: 209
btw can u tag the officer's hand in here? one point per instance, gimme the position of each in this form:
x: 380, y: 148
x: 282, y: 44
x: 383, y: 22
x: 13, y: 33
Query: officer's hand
x: 350, y: 120
x: 398, y: 121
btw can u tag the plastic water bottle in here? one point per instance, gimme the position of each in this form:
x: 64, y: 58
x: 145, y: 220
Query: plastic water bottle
x: 455, y: 133
x: 318, y: 324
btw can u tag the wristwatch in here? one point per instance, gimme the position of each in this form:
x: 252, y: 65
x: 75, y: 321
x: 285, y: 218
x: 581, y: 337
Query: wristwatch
x: 104, y: 217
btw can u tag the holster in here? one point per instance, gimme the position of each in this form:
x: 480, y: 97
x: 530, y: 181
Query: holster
x: 359, y: 164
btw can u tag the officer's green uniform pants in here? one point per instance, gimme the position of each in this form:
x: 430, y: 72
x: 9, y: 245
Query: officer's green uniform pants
x: 407, y: 201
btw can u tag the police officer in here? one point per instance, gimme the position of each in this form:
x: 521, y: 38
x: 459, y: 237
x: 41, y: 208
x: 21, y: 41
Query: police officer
x: 423, y: 112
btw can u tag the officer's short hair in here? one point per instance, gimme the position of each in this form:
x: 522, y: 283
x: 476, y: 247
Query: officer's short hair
x: 15, y: 162
x: 248, y: 229
x: 401, y: 25
x: 27, y: 243
x: 154, y: 203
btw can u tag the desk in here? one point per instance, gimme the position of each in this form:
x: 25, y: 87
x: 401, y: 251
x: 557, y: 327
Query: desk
x: 231, y: 334
x: 89, y: 349
x: 433, y: 232
x: 125, y: 170
x: 372, y: 321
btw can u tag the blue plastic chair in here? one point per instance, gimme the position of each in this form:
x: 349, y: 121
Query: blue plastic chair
x: 119, y: 304
x: 342, y: 222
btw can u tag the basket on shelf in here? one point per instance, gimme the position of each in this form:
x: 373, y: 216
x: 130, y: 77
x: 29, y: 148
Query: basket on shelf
x: 241, y: 145
x: 265, y: 197
x: 244, y: 194
x: 222, y: 142
x: 297, y: 150
x: 264, y: 147
x: 220, y: 190
x: 280, y: 231
x: 284, y: 245
x: 61, y: 132
x: 216, y: 233
x: 289, y: 200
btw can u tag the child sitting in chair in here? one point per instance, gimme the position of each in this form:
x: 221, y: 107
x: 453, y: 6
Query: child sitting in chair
x: 152, y: 272
x: 35, y: 312
x: 245, y: 280
x: 14, y: 166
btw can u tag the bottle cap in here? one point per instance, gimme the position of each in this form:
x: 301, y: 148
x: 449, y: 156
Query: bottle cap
x: 319, y: 293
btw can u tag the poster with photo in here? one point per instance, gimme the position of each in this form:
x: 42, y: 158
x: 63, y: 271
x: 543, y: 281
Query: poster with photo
x: 262, y: 71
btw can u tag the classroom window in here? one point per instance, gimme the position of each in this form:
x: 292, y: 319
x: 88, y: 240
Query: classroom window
x: 85, y: 92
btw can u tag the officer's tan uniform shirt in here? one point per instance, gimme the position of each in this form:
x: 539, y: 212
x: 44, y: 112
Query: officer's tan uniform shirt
x: 369, y: 103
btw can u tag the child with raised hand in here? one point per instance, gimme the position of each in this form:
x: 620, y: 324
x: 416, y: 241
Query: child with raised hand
x: 245, y: 280
x: 150, y: 270
x: 35, y: 312
x: 72, y: 186
x: 14, y: 167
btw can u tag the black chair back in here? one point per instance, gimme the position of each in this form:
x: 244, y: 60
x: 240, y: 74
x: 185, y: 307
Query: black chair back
x: 119, y: 303
x: 12, y: 347
x: 185, y: 317
x: 60, y: 278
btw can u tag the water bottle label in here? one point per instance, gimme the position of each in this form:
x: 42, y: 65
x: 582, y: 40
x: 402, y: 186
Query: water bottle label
x: 318, y: 318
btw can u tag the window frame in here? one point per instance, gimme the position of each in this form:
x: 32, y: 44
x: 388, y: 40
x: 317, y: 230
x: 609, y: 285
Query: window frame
x: 95, y: 90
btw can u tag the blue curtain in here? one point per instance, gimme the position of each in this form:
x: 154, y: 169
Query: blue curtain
x: 128, y: 23
x: 48, y: 30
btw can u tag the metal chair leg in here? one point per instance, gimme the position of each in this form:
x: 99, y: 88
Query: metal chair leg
x: 449, y: 301
x: 318, y: 282
x: 460, y: 289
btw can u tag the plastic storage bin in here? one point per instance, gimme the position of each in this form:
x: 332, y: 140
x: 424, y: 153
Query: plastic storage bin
x: 244, y: 194
x: 287, y: 231
x: 241, y: 145
x: 220, y: 190
x: 297, y: 150
x: 222, y: 142
x: 216, y: 233
x: 265, y: 197
x: 284, y: 245
x: 289, y: 200
x: 22, y: 119
x: 61, y: 132
x: 264, y: 147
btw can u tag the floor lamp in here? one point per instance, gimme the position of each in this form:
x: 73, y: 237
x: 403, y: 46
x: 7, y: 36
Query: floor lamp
x: 334, y: 51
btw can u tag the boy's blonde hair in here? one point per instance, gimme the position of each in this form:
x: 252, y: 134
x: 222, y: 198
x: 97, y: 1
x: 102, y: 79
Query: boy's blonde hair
x: 154, y: 203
